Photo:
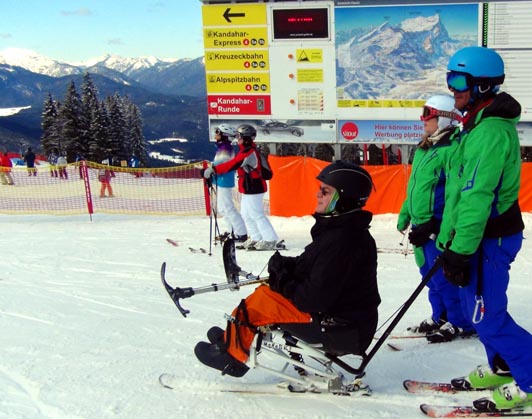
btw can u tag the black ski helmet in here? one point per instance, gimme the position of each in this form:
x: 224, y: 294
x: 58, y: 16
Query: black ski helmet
x: 247, y: 133
x: 352, y: 182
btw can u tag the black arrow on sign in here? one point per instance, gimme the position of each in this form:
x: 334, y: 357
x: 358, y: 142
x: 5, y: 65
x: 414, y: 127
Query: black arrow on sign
x: 228, y: 15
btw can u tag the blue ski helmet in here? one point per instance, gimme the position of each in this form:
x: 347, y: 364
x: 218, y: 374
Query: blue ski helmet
x: 477, y: 69
x: 479, y: 62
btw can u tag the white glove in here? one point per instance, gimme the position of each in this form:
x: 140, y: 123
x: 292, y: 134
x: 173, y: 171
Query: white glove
x: 209, y: 171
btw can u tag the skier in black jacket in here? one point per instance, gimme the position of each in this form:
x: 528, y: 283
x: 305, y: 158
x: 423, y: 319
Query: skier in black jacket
x: 326, y: 295
x: 29, y: 159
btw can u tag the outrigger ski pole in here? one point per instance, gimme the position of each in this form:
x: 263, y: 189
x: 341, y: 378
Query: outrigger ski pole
x: 176, y: 294
x: 233, y: 272
x: 366, y: 359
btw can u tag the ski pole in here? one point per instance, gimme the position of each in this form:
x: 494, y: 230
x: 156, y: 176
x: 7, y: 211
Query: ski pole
x: 217, y: 233
x: 210, y: 223
x: 176, y: 294
x: 399, y: 316
x: 214, y: 214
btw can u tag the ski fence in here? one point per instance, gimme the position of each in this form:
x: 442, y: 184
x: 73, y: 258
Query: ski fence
x: 181, y: 190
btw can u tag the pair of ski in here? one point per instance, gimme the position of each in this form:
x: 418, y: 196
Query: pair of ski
x: 457, y: 411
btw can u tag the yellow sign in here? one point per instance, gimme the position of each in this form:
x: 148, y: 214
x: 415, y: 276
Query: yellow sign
x: 347, y: 103
x: 236, y: 60
x: 309, y: 55
x: 314, y: 75
x: 238, y: 83
x: 234, y: 15
x: 235, y: 38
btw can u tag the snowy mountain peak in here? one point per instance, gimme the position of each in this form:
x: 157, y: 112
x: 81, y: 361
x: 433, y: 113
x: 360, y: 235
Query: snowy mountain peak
x: 127, y: 65
x: 36, y: 63
x: 374, y: 32
x: 420, y: 23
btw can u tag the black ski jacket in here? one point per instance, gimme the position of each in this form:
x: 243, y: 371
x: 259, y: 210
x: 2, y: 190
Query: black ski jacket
x: 336, y: 275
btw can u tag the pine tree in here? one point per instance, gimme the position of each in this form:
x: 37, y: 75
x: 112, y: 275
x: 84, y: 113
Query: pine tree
x: 99, y: 144
x: 71, y: 130
x: 84, y: 126
x: 116, y: 130
x: 89, y: 109
x: 50, y: 137
x: 137, y: 142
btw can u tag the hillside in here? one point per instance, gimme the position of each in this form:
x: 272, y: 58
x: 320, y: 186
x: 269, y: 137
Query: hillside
x: 180, y: 113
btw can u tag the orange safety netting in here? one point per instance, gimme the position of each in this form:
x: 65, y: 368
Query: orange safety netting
x: 294, y: 186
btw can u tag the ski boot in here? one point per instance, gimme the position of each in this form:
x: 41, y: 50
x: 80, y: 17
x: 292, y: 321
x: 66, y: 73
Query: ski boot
x: 507, y: 396
x: 483, y: 377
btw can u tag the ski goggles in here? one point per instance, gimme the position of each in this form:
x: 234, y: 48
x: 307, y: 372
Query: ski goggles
x: 431, y: 113
x: 217, y: 131
x: 459, y: 82
x: 238, y: 136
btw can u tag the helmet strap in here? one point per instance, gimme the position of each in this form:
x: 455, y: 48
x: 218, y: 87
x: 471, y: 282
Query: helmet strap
x: 332, y: 203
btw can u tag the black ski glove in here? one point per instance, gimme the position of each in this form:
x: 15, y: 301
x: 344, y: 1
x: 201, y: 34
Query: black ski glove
x: 420, y: 234
x: 279, y: 275
x: 208, y: 174
x: 456, y: 268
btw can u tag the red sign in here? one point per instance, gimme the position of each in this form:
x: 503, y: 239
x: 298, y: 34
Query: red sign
x: 349, y: 131
x: 239, y: 105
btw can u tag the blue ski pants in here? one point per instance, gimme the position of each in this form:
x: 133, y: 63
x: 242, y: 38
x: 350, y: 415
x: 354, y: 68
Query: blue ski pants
x: 497, y: 330
x: 443, y: 296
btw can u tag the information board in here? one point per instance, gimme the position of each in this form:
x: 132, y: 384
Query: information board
x: 367, y: 64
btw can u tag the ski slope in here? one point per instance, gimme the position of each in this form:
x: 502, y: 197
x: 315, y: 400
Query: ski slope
x: 87, y: 328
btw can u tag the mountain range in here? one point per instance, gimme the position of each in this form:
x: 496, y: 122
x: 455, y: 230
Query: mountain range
x: 171, y: 95
x: 401, y: 61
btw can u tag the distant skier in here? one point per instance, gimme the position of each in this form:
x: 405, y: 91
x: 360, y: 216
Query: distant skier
x: 5, y: 169
x: 29, y: 159
x: 105, y: 174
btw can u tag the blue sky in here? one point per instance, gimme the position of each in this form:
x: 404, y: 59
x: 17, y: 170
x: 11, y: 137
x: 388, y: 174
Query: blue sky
x: 74, y: 30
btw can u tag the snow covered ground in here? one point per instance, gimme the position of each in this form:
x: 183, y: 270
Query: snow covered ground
x: 12, y: 111
x: 86, y: 327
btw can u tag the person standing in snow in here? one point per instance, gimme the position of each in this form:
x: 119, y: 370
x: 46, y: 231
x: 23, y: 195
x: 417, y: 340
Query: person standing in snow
x: 261, y: 234
x: 327, y: 295
x: 29, y: 159
x: 5, y: 169
x: 62, y: 166
x: 105, y: 174
x: 52, y: 161
x: 134, y: 163
x: 225, y: 182
x: 79, y: 158
x: 423, y: 208
x: 482, y: 227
